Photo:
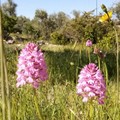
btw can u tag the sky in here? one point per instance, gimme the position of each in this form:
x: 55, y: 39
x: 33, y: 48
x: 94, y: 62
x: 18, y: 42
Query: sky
x: 28, y: 7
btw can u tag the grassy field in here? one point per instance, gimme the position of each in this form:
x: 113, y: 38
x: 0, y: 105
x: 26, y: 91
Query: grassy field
x: 57, y: 96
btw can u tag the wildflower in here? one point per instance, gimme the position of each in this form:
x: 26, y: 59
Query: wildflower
x: 91, y: 84
x: 106, y: 16
x: 32, y: 68
x: 89, y: 43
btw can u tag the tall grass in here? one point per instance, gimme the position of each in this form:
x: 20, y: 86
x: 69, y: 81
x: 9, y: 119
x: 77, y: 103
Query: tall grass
x: 57, y: 97
x: 5, y: 96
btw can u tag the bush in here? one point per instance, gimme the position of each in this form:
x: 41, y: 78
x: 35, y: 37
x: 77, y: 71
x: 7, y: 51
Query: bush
x: 59, y: 38
x: 108, y: 41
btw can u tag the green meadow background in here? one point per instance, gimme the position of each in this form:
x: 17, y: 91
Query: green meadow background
x: 57, y: 96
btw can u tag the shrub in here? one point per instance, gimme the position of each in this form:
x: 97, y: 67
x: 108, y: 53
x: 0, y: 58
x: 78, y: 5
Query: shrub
x: 59, y: 38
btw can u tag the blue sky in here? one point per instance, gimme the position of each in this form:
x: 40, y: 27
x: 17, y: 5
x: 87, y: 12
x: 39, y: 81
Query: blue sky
x: 27, y: 7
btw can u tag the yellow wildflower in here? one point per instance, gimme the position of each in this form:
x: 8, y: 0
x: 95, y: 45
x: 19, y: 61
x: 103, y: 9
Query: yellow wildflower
x: 106, y: 16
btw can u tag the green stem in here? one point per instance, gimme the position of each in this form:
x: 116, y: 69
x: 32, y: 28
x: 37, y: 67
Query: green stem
x: 37, y: 106
x: 117, y: 60
x: 7, y: 90
x: 106, y: 72
x: 89, y: 55
x: 2, y: 68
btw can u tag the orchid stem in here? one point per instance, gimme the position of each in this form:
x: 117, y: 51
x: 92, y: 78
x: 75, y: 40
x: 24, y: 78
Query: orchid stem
x: 89, y: 55
x: 106, y: 73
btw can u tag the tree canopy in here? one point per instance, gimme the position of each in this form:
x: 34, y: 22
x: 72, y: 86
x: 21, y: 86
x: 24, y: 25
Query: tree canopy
x: 58, y: 28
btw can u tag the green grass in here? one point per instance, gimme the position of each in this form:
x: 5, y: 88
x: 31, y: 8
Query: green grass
x: 57, y: 96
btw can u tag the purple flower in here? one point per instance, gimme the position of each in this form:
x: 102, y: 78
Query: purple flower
x: 89, y: 43
x: 91, y: 84
x: 32, y: 68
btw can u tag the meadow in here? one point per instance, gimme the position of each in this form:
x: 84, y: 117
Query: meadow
x: 57, y: 98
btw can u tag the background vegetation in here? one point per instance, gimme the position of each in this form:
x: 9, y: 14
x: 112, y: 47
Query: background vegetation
x: 58, y: 28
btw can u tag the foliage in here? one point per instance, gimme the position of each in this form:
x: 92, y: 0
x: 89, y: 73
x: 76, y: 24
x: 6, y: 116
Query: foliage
x: 41, y: 14
x: 9, y: 17
x: 11, y: 58
x: 58, y: 38
x: 9, y: 8
x: 8, y: 25
x: 108, y: 41
x: 20, y: 23
x: 80, y: 28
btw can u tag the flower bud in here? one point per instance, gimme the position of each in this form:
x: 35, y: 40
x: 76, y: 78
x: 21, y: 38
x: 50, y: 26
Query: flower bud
x: 104, y: 8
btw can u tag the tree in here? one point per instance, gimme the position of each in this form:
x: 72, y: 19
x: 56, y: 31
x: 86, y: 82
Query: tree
x: 61, y: 20
x: 8, y: 23
x: 41, y: 14
x: 21, y: 20
x: 28, y: 29
x: 9, y: 8
x: 76, y: 14
x: 41, y: 17
x: 9, y: 17
x: 37, y: 29
x: 52, y: 22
